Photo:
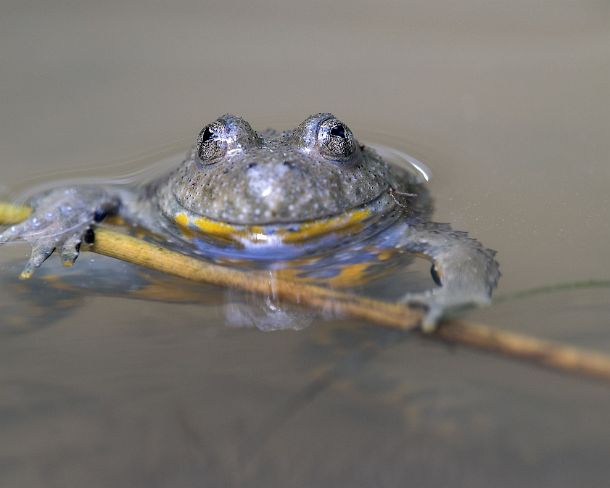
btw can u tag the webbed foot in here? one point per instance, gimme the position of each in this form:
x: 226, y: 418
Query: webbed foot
x: 60, y: 220
x: 441, y: 301
x: 465, y: 270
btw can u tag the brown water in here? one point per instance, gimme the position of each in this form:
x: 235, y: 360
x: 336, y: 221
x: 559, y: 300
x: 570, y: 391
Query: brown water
x: 508, y: 104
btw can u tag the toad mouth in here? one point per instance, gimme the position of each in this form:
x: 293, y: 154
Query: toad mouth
x: 351, y: 220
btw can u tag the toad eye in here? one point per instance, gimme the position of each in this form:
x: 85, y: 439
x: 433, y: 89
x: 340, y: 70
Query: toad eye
x: 210, y: 143
x: 226, y: 135
x: 335, y: 139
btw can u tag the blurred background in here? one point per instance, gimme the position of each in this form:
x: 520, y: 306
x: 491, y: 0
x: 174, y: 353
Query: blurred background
x: 506, y: 102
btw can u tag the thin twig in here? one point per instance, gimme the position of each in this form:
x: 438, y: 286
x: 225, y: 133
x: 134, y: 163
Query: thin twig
x: 13, y: 214
x: 545, y: 353
x: 136, y: 251
x: 395, y: 315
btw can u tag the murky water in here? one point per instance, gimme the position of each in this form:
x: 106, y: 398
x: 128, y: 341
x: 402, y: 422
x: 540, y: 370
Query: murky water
x: 505, y: 103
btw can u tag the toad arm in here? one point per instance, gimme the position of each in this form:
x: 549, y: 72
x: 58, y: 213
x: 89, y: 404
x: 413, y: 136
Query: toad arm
x: 61, y: 218
x: 466, y: 270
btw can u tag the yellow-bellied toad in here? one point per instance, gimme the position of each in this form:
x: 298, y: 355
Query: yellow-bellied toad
x: 274, y: 195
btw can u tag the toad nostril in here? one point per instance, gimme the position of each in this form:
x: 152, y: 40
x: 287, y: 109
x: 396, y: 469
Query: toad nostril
x: 251, y: 165
x: 289, y: 164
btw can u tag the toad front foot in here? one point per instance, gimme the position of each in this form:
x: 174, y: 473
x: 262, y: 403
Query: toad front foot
x: 60, y: 220
x: 465, y: 270
x: 440, y: 301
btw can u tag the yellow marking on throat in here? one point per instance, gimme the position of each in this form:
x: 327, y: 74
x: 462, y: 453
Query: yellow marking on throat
x: 315, y: 228
x: 214, y: 227
x: 290, y: 233
x: 182, y: 220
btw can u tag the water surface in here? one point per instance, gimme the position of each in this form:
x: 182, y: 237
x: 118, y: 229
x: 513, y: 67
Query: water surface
x: 506, y: 104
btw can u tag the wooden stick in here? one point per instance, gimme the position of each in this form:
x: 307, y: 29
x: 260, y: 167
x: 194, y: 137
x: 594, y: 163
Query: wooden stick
x: 13, y: 214
x: 395, y: 315
x: 126, y: 248
x: 544, y: 353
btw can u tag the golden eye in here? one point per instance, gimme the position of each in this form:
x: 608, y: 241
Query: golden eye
x: 335, y: 139
x: 210, y: 143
